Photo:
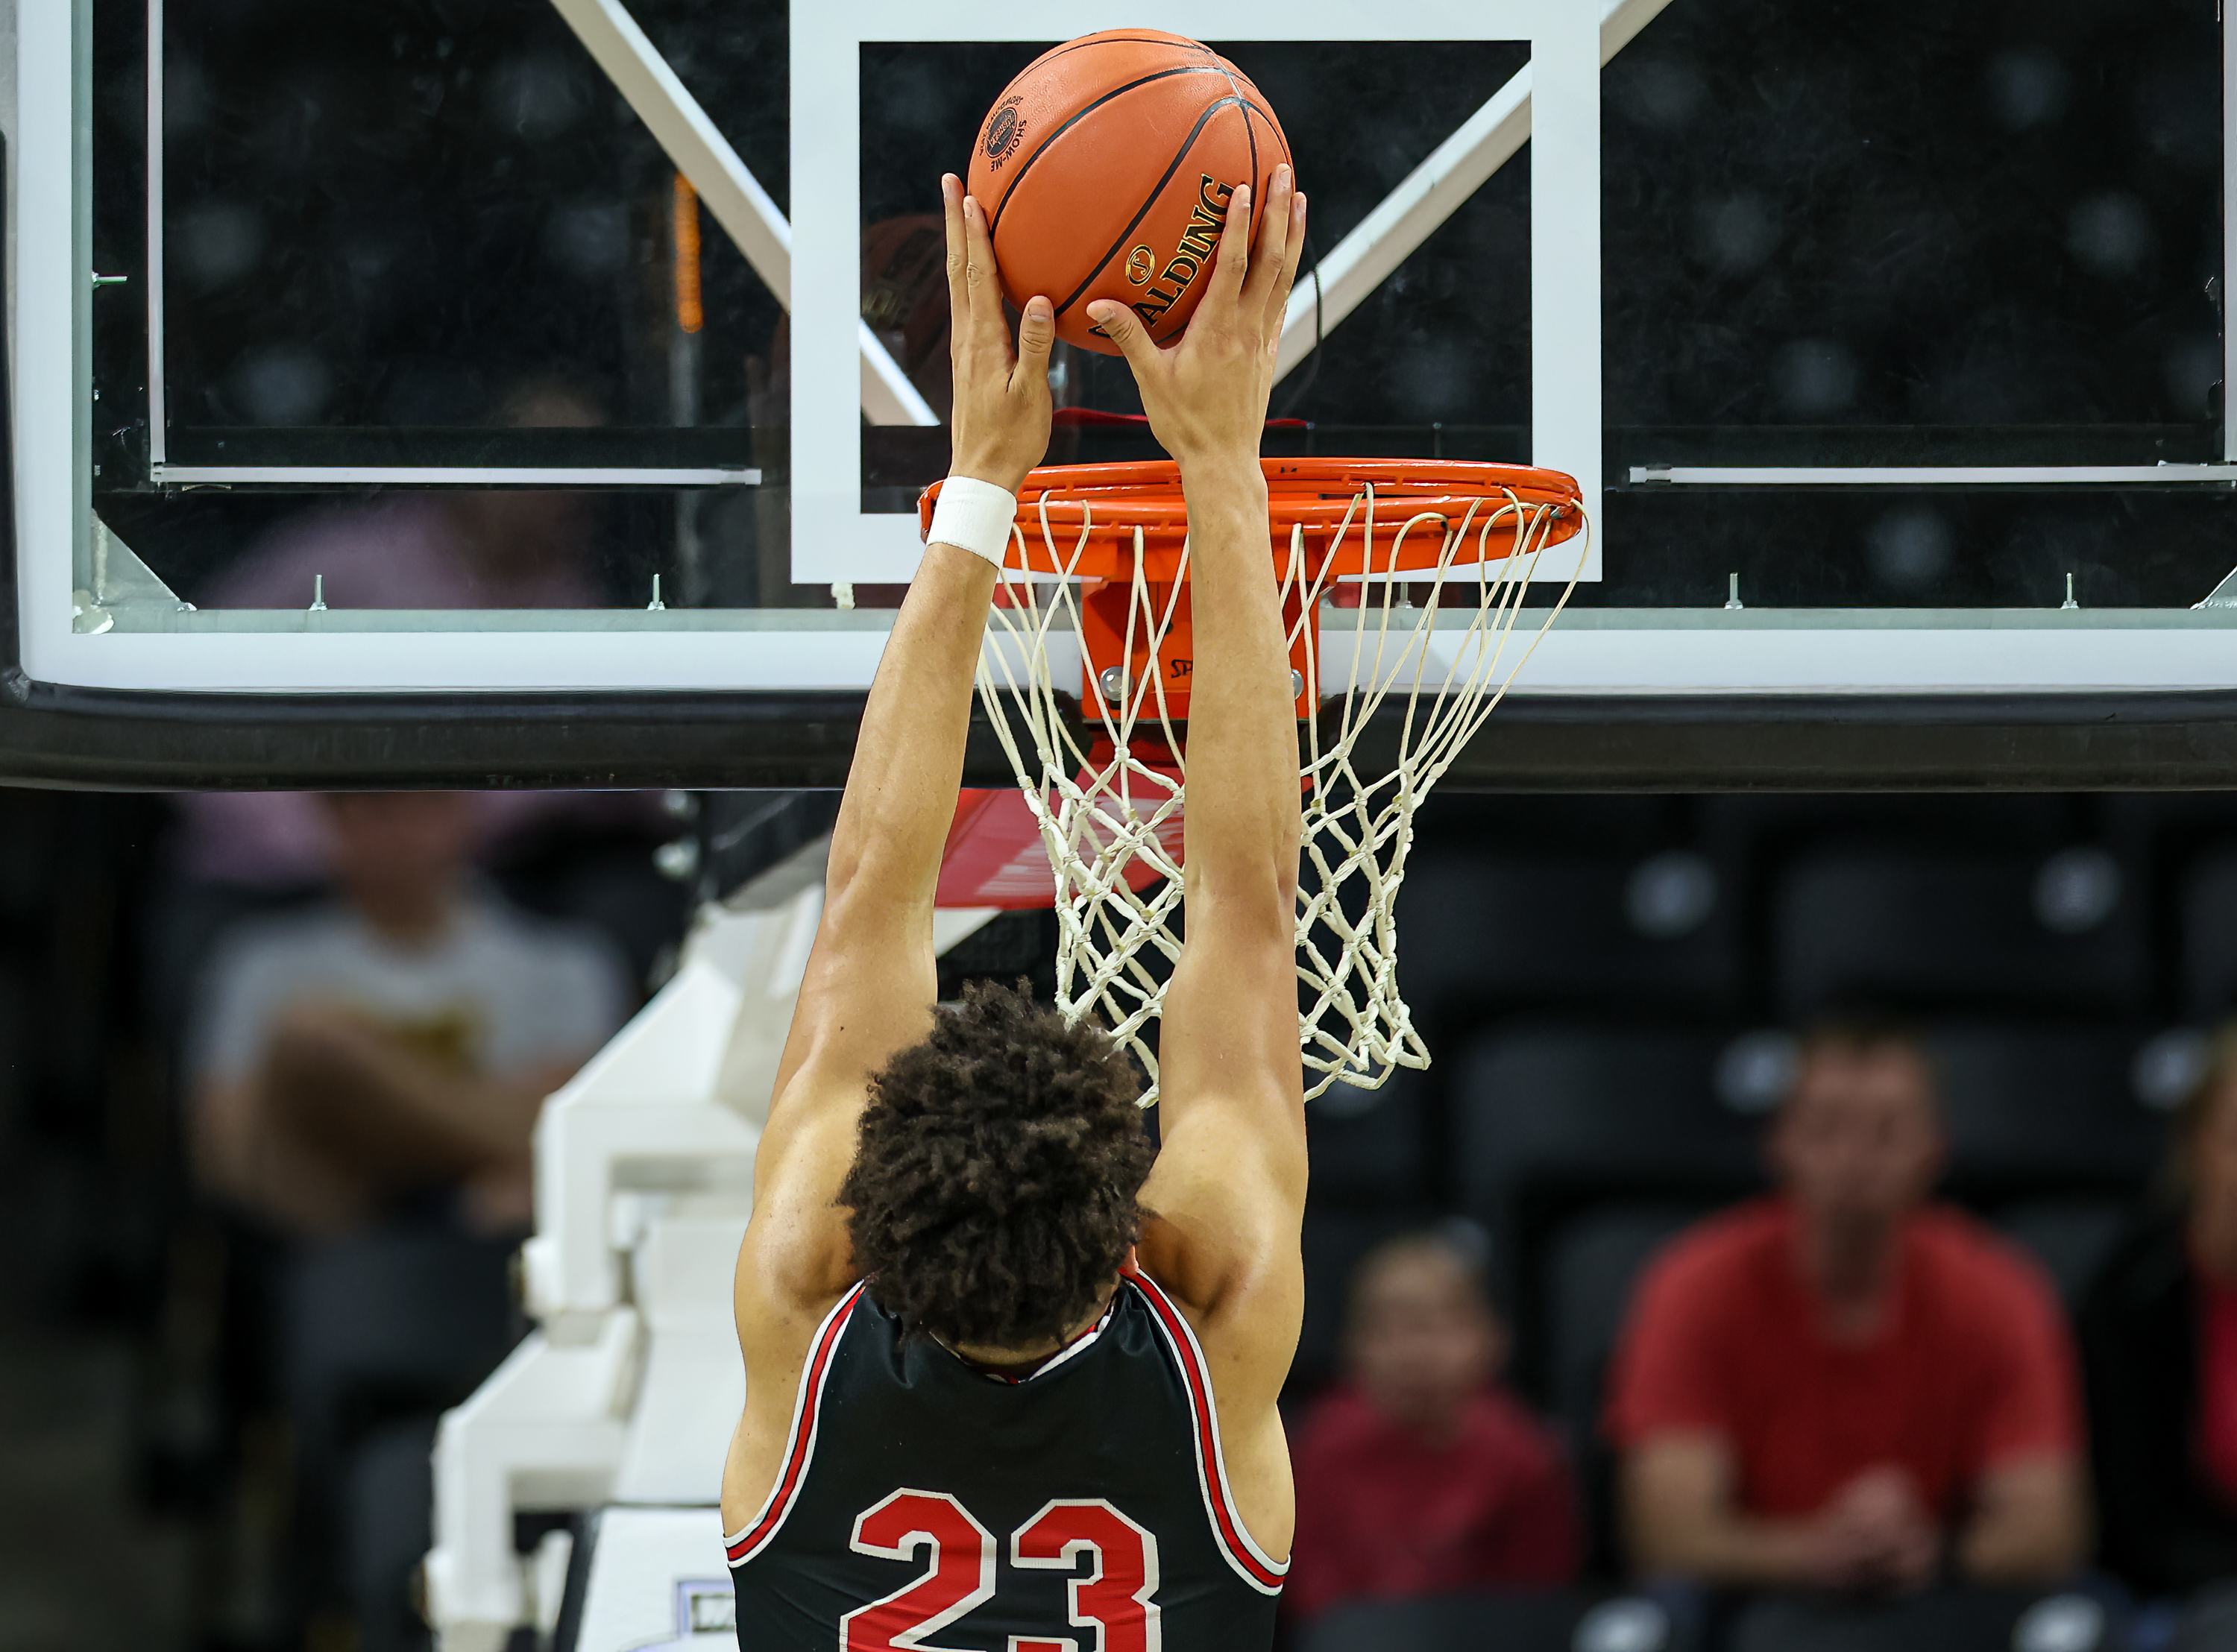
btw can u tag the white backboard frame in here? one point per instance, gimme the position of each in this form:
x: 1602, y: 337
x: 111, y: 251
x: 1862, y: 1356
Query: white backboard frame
x: 846, y: 543
x: 1621, y: 652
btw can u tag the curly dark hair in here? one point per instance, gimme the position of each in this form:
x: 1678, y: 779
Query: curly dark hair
x: 992, y: 1198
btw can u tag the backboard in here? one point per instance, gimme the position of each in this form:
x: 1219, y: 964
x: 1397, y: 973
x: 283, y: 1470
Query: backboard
x: 539, y: 392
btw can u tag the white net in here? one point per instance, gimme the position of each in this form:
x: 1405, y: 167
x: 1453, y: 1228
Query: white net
x: 1434, y: 643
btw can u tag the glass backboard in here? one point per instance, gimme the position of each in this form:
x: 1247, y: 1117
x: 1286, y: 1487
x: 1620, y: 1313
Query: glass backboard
x: 584, y: 354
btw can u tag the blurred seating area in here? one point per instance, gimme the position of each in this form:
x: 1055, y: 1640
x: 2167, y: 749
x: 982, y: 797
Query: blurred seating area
x: 1615, y: 991
x: 272, y: 1061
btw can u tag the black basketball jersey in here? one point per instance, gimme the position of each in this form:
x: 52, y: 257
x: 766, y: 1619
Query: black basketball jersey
x: 925, y: 1505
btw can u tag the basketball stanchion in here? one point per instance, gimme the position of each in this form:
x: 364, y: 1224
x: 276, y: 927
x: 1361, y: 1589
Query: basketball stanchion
x: 1401, y: 584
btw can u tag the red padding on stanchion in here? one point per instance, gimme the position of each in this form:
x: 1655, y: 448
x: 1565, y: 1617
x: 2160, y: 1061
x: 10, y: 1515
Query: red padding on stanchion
x: 994, y: 856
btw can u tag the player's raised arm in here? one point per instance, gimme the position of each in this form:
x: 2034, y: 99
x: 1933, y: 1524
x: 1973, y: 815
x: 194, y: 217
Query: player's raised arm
x: 1229, y: 1185
x: 870, y: 983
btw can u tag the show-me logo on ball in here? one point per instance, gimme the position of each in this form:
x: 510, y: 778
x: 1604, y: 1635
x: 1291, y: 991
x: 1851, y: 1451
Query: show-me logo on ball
x: 1198, y: 242
x: 1004, y: 129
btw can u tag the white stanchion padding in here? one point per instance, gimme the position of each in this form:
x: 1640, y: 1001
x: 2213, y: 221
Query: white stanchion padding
x: 548, y: 1430
x: 657, y: 1581
x: 973, y: 516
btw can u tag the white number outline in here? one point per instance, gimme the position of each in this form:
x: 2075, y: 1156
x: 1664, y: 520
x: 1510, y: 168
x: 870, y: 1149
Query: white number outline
x: 912, y: 1639
x: 1067, y: 1560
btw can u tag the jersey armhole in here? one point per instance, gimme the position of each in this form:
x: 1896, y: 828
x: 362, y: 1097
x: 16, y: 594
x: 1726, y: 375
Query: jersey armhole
x: 1249, y: 1561
x: 800, y: 1439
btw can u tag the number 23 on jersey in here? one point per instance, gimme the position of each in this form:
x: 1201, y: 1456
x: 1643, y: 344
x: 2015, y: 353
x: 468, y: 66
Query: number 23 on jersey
x: 1114, y: 1596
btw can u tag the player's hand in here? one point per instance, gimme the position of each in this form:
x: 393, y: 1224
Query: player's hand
x: 1206, y: 395
x: 999, y: 427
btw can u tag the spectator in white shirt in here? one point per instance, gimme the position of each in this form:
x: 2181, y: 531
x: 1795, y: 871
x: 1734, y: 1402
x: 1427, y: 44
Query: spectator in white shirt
x: 397, y: 1043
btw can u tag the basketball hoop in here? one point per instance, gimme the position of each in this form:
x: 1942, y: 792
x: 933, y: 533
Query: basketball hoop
x: 1397, y: 578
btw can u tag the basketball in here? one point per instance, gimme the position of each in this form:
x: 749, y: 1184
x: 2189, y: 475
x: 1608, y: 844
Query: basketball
x: 1104, y: 170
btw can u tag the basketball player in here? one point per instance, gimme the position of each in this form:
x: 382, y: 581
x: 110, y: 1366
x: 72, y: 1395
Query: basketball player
x: 1010, y: 1371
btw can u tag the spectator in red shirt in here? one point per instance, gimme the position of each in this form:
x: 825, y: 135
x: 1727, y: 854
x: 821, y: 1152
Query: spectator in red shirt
x: 1418, y: 1474
x: 1843, y: 1386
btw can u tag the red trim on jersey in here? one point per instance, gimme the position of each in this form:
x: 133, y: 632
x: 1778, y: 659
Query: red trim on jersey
x: 1211, y: 1466
x: 801, y: 1445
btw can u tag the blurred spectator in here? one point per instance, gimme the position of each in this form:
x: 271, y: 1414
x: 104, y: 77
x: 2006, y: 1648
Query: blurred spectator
x: 2159, y: 1349
x: 396, y: 1043
x: 1419, y: 1474
x: 440, y: 547
x: 367, y: 1073
x: 245, y: 848
x: 1842, y: 1385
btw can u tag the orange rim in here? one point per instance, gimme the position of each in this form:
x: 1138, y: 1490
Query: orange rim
x: 1416, y: 503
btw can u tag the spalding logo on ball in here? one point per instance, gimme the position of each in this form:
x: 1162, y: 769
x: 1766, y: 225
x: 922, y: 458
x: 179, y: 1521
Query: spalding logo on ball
x: 1002, y: 131
x: 1105, y: 170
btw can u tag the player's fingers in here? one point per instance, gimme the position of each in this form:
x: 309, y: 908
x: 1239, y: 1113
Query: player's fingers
x: 1273, y: 240
x: 981, y: 280
x: 1036, y: 337
x: 1233, y: 256
x: 1124, y: 328
x: 951, y: 201
x: 1293, y: 255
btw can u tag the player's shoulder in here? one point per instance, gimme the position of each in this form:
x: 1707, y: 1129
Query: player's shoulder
x: 797, y: 1257
x: 1253, y: 1285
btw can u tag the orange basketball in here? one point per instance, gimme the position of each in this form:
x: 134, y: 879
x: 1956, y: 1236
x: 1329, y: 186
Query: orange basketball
x: 1106, y: 168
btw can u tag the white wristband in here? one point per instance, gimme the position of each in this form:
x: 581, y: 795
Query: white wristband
x: 973, y: 516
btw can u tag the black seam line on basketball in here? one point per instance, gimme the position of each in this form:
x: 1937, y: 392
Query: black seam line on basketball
x: 1227, y: 74
x: 1273, y: 129
x: 1249, y: 108
x: 995, y: 217
x: 1158, y: 188
x: 1249, y: 137
x: 1273, y: 125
